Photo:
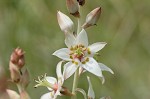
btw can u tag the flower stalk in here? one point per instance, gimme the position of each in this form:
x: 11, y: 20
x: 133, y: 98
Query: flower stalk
x: 76, y: 75
x: 75, y: 83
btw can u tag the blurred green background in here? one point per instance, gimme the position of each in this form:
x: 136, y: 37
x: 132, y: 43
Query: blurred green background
x: 124, y: 25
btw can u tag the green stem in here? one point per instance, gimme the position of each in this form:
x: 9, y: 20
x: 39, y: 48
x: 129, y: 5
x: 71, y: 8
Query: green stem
x: 75, y: 83
x: 76, y: 75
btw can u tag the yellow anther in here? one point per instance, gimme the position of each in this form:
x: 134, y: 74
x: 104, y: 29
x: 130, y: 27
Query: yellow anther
x: 83, y: 62
x: 88, y: 50
x: 71, y: 57
x: 87, y: 59
x: 73, y: 61
x: 71, y: 48
x: 76, y: 63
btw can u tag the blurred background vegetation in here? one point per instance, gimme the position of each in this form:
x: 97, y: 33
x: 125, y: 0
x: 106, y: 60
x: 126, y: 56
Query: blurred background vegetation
x: 124, y: 25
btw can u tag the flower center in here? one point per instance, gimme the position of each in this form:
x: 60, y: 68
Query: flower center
x: 77, y: 52
x: 55, y: 87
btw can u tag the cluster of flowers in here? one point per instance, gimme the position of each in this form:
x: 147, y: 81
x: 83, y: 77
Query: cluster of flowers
x: 19, y: 76
x: 78, y: 56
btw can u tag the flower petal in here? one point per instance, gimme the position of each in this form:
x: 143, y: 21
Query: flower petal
x: 58, y: 69
x: 51, y: 80
x: 91, y: 94
x: 102, y: 79
x: 48, y: 95
x: 69, y: 40
x: 59, y: 73
x: 93, y: 67
x: 69, y: 69
x: 105, y: 68
x: 82, y: 38
x: 97, y: 46
x: 63, y: 53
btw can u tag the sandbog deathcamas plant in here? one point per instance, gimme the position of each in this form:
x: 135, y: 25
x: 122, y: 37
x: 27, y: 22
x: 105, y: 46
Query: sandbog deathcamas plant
x: 78, y: 56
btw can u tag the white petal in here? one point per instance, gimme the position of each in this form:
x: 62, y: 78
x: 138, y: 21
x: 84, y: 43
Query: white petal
x: 69, y: 69
x: 58, y: 69
x: 63, y: 53
x: 47, y: 96
x: 51, y: 81
x: 102, y: 79
x: 91, y: 93
x: 93, y: 67
x: 97, y: 46
x: 105, y: 68
x: 82, y: 38
x: 69, y: 40
x: 59, y: 73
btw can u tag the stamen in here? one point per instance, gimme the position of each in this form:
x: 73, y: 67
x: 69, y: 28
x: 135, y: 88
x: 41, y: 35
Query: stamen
x: 71, y: 48
x: 87, y: 59
x: 83, y: 62
x: 89, y: 52
x: 76, y: 63
x: 73, y: 61
x: 71, y: 57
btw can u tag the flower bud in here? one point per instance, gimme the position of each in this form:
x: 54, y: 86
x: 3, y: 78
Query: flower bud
x: 17, y: 58
x: 73, y: 7
x: 81, y: 2
x: 14, y: 73
x: 92, y: 17
x: 65, y: 23
x: 25, y: 78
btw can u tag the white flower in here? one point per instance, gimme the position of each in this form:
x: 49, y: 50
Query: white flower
x: 80, y: 54
x: 54, y: 85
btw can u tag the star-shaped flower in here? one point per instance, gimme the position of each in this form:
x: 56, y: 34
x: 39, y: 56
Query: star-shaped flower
x: 54, y: 85
x: 79, y: 54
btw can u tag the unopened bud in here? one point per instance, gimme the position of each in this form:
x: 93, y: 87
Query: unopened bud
x: 25, y: 78
x: 14, y: 73
x: 81, y: 2
x: 24, y: 95
x: 73, y: 7
x: 92, y: 17
x: 17, y: 57
x: 65, y: 23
